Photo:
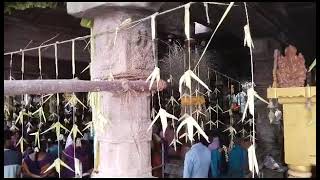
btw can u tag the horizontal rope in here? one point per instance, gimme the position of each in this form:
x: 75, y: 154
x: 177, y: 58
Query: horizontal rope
x: 226, y: 76
x: 88, y: 36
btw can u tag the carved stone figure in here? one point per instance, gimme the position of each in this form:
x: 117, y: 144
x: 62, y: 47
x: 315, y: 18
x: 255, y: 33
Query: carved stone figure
x: 291, y: 70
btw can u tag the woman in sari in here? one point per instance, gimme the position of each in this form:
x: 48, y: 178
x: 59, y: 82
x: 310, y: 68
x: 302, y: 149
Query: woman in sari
x: 36, y: 163
x: 82, y: 153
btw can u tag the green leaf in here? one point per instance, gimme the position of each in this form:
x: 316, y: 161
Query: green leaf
x: 87, y: 23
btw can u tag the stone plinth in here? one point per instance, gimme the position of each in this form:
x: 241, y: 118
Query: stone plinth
x: 299, y: 121
x: 93, y: 9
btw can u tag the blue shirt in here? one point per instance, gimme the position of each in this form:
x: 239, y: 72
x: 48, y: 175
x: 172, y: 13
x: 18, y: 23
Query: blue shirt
x: 215, y: 163
x: 197, y: 162
x: 53, y: 150
x: 238, y: 159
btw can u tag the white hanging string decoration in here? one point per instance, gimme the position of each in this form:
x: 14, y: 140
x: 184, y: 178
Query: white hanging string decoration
x: 98, y: 34
x: 73, y: 60
x: 217, y: 106
x: 210, y: 109
x: 29, y: 126
x: 232, y: 132
x: 214, y: 32
x: 217, y: 109
x: 73, y: 70
x: 210, y: 122
x: 22, y: 112
x: 155, y: 75
x: 186, y: 78
x: 173, y: 102
x: 231, y: 128
x: 208, y: 92
x: 10, y: 71
x: 22, y: 63
x: 191, y: 123
x: 56, y: 58
x: 253, y: 165
x: 207, y: 11
x: 40, y: 69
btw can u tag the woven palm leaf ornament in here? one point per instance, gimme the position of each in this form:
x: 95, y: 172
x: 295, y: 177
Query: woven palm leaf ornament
x: 231, y: 129
x: 99, y: 120
x: 209, y: 110
x: 99, y: 123
x: 232, y: 132
x: 216, y: 91
x: 14, y: 127
x: 198, y: 112
x: 187, y: 119
x: 188, y: 75
x: 57, y: 165
x: 57, y: 126
x: 23, y: 112
x: 29, y: 126
x: 20, y: 142
x: 253, y: 165
x: 173, y: 102
x: 36, y: 138
x: 250, y: 136
x: 243, y: 132
x: 217, y: 106
x: 73, y: 102
x: 40, y: 111
x: 155, y: 75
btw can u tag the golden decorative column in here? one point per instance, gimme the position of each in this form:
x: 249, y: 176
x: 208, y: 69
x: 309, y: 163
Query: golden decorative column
x: 299, y: 119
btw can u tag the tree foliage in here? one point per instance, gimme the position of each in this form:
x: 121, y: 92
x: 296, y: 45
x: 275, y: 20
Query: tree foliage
x: 10, y: 7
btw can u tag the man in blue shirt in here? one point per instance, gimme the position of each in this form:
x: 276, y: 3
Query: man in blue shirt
x: 238, y: 160
x: 197, y: 160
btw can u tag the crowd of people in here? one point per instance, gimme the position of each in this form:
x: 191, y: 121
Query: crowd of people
x: 35, y: 159
x: 201, y: 159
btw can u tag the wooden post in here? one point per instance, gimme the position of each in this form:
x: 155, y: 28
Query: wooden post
x: 18, y: 87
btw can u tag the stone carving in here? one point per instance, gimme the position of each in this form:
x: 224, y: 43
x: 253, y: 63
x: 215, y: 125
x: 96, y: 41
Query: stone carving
x: 291, y: 70
x: 141, y: 51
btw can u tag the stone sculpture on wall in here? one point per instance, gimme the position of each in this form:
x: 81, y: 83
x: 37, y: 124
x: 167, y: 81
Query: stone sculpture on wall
x: 290, y: 70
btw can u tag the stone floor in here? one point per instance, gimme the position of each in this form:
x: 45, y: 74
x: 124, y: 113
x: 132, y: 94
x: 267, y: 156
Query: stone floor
x: 267, y: 173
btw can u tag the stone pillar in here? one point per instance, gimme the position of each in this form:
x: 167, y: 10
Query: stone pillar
x: 263, y: 63
x: 125, y: 149
x: 270, y: 136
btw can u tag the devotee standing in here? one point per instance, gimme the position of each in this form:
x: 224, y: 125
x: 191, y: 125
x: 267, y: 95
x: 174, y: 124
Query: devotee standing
x: 197, y: 160
x: 35, y: 164
x: 238, y: 160
x: 11, y: 159
x: 215, y: 157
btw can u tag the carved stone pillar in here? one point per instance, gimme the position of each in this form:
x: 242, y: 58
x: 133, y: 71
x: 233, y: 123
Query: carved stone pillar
x: 125, y: 145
